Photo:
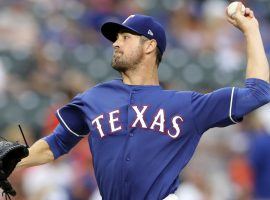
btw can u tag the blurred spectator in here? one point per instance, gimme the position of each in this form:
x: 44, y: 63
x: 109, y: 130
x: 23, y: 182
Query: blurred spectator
x: 194, y: 186
x: 18, y: 28
x: 258, y: 155
x: 3, y: 77
x: 48, y: 182
x: 51, y: 50
x: 241, y: 176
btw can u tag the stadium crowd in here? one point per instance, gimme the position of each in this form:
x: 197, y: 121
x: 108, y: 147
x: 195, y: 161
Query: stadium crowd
x: 51, y: 50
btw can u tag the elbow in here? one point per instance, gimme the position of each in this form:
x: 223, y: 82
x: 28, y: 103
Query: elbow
x: 263, y: 99
x: 56, y: 148
x: 260, y: 89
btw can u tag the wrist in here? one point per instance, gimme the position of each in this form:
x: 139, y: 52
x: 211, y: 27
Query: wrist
x: 252, y: 32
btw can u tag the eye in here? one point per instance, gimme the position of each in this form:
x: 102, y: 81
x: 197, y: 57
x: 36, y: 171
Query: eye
x: 125, y: 37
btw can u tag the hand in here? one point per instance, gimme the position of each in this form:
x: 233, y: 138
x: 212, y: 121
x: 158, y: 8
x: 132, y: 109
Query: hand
x: 245, y: 22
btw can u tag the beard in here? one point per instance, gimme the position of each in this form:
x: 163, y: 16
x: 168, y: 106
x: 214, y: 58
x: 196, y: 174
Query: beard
x: 122, y: 63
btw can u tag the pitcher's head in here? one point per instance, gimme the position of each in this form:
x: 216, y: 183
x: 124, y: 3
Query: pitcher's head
x: 138, y: 36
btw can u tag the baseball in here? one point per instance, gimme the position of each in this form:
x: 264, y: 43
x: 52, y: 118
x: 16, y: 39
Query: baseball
x: 231, y: 9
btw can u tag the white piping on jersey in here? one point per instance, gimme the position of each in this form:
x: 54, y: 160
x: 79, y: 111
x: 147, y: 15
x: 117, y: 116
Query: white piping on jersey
x: 230, y: 112
x: 67, y: 125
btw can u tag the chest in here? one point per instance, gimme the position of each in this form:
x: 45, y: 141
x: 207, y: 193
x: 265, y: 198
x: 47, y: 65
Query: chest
x: 142, y: 111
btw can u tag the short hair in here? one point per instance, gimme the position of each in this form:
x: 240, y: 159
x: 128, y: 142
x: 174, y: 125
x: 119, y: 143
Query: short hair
x: 158, y: 52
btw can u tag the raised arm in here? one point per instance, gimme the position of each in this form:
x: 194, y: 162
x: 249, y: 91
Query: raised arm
x: 257, y: 64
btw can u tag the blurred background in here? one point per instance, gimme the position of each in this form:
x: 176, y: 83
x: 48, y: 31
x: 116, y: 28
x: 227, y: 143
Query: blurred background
x: 51, y: 50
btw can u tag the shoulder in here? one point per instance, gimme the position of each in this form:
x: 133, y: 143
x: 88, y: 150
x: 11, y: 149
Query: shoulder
x: 111, y: 83
x: 104, y: 88
x: 177, y: 93
x: 174, y: 96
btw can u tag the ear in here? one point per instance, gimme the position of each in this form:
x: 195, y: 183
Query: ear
x: 150, y: 46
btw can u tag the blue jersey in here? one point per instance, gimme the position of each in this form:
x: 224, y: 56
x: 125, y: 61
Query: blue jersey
x: 141, y: 137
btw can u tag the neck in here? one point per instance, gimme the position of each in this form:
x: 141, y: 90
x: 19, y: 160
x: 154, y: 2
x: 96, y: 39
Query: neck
x: 141, y: 75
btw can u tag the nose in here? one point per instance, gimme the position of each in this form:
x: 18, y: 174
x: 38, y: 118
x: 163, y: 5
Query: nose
x: 116, y: 44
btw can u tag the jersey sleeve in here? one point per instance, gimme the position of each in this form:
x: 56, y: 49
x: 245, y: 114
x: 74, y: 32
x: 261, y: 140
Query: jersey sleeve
x: 61, y: 141
x: 227, y: 106
x: 73, y: 118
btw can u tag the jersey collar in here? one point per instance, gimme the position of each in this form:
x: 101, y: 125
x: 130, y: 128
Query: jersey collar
x: 138, y: 87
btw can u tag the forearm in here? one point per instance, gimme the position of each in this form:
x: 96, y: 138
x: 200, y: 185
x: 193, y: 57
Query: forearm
x: 257, y: 64
x: 39, y: 153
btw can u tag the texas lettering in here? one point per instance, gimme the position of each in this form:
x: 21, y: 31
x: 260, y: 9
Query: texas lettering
x: 157, y: 123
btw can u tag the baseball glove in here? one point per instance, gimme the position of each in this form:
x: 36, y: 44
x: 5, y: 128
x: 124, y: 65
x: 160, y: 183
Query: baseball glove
x: 10, y: 154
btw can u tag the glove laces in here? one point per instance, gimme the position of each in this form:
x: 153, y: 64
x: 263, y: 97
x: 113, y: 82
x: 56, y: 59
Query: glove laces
x: 6, y: 195
x: 26, y: 144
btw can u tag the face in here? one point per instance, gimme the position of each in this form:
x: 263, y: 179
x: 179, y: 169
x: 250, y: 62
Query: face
x: 128, y: 52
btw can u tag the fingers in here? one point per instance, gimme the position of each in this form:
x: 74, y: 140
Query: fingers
x: 252, y: 14
x: 241, y: 17
x: 249, y: 13
x: 232, y: 21
x: 239, y: 8
x: 239, y: 11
